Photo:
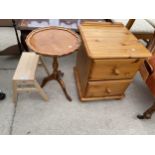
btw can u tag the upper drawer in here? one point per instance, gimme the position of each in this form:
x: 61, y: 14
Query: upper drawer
x: 114, y: 69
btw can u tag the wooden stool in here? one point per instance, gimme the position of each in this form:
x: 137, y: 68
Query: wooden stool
x: 24, y: 77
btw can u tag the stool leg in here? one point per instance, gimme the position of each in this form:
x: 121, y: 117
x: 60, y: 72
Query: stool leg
x: 43, y: 64
x: 15, y: 91
x: 40, y: 90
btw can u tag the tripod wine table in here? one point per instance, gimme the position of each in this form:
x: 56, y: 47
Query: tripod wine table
x: 54, y: 42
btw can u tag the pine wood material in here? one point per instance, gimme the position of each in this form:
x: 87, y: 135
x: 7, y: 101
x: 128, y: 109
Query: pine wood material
x: 24, y: 77
x: 106, y: 88
x: 114, y: 69
x: 83, y: 66
x: 107, y: 61
x: 111, y: 41
x: 84, y: 98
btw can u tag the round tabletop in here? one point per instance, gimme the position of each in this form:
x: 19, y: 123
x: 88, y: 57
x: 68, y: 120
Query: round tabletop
x: 53, y: 41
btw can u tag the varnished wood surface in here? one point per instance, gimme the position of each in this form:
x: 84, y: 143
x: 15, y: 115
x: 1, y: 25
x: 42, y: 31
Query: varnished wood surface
x: 146, y: 68
x: 53, y: 41
x: 84, y: 98
x: 144, y: 72
x: 56, y: 75
x: 108, y: 59
x: 106, y: 88
x: 111, y: 41
x: 84, y: 65
x: 114, y: 69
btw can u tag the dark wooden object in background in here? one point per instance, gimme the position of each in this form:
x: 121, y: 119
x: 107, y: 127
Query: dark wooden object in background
x: 145, y: 74
x: 27, y: 25
x: 140, y: 35
x: 18, y: 41
x: 130, y: 23
x: 148, y: 113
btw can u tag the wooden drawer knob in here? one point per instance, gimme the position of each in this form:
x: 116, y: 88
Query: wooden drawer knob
x: 108, y: 90
x: 116, y: 71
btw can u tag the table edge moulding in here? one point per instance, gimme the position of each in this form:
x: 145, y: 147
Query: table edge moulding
x: 49, y: 28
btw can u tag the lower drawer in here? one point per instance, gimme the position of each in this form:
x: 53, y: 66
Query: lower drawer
x: 106, y: 88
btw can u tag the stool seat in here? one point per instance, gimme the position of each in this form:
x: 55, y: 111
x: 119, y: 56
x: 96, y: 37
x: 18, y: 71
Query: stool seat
x: 24, y: 77
x: 26, y: 67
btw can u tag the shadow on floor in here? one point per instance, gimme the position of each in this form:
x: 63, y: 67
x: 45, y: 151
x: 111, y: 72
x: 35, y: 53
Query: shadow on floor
x: 12, y: 50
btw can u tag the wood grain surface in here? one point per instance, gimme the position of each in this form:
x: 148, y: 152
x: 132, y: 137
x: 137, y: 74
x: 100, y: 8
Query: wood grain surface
x: 53, y: 41
x: 111, y: 41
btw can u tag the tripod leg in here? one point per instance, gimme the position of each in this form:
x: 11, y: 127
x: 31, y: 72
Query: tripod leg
x: 148, y: 113
x: 45, y: 80
x: 62, y: 84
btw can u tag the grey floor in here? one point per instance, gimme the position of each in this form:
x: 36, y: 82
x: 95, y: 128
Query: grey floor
x: 32, y: 115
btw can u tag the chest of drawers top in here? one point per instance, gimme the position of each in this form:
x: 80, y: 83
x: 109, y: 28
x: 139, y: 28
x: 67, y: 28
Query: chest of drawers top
x: 108, y: 40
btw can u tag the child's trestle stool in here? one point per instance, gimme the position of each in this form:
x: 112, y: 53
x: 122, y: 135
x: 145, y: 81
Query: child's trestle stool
x: 24, y: 77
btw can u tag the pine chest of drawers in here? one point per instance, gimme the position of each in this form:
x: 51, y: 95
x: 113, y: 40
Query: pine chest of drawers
x: 107, y: 61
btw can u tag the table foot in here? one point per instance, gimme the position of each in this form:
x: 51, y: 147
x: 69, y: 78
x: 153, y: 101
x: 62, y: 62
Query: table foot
x: 45, y: 80
x: 148, y: 113
x: 62, y: 84
x: 143, y: 117
x: 61, y: 74
x: 60, y: 81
